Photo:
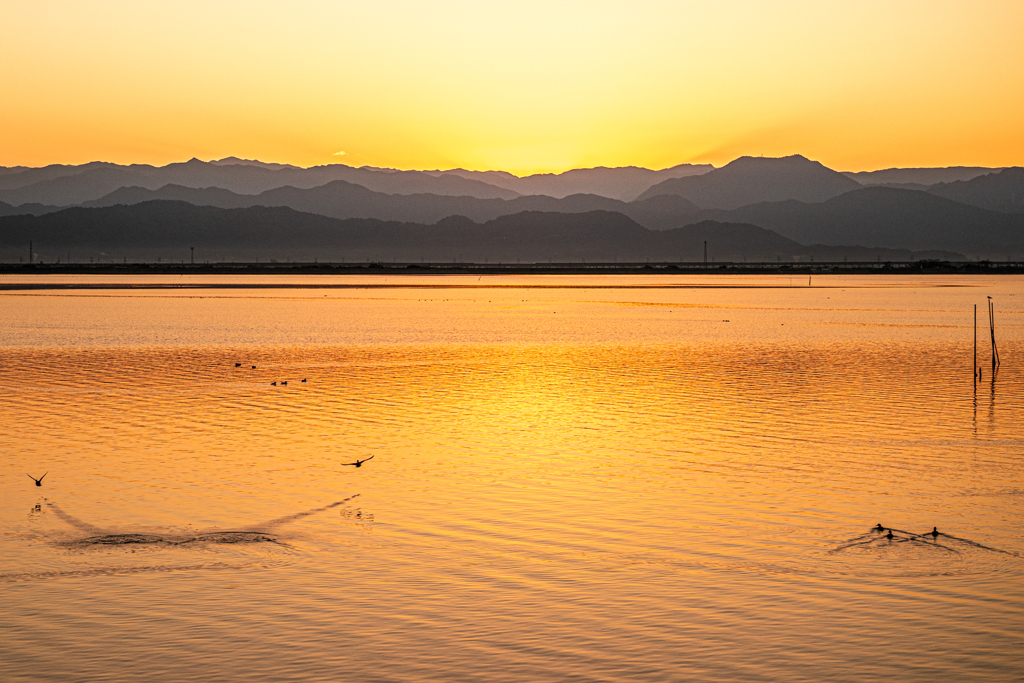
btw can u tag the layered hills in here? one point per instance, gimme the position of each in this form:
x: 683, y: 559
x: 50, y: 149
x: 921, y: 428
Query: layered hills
x: 969, y: 211
x: 1002, y: 191
x: 60, y: 185
x: 889, y: 218
x: 340, y: 199
x: 72, y: 185
x: 165, y: 230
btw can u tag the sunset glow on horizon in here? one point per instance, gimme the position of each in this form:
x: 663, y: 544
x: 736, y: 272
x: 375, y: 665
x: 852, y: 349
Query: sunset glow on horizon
x: 530, y: 87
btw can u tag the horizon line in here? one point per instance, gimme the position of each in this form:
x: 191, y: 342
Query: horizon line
x: 386, y: 169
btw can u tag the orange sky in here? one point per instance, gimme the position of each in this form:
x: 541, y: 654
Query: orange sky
x: 525, y: 86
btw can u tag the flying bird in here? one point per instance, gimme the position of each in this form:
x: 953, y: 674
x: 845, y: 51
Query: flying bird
x: 358, y: 463
x: 39, y: 481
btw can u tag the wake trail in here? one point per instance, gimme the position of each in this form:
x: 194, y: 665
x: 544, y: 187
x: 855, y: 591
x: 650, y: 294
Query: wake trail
x: 267, y: 527
x: 979, y: 545
x: 246, y: 534
x: 77, y: 523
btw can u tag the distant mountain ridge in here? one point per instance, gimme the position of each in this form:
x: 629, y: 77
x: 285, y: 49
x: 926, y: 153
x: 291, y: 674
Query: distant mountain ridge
x: 919, y: 176
x: 69, y: 186
x: 62, y: 185
x: 624, y: 183
x: 798, y: 198
x: 1002, y: 191
x: 340, y: 199
x: 235, y: 161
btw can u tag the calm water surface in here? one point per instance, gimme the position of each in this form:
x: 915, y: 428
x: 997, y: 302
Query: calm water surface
x: 574, y: 478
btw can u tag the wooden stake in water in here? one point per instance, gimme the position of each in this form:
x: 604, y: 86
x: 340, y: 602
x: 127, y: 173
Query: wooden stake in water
x: 992, y: 331
x: 975, y: 344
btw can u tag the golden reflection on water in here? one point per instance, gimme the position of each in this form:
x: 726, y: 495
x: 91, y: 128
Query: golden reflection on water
x: 566, y: 483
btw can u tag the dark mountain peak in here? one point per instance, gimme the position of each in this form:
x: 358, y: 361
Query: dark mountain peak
x: 919, y: 176
x: 791, y: 161
x: 749, y: 180
x: 235, y: 161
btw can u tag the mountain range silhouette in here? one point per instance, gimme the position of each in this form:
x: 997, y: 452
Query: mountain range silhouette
x: 166, y: 229
x: 972, y: 211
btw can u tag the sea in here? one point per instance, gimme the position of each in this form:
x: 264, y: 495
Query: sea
x: 562, y: 478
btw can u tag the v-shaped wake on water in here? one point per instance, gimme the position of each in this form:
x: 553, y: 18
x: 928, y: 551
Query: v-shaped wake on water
x: 263, y: 532
x: 887, y: 537
x: 235, y: 549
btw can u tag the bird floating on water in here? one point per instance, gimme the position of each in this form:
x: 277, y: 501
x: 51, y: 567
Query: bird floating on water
x: 284, y: 383
x: 889, y: 535
x: 358, y: 463
x: 879, y: 527
x: 934, y: 533
x: 273, y: 384
x: 39, y: 481
x: 238, y: 365
x: 303, y: 381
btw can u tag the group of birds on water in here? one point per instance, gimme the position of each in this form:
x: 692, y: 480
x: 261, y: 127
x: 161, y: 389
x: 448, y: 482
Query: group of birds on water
x: 952, y: 543
x: 283, y: 383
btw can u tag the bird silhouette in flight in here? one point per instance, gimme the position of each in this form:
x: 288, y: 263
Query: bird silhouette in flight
x: 39, y: 481
x: 358, y: 463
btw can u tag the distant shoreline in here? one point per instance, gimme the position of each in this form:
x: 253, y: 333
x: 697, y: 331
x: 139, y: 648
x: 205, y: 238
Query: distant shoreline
x: 426, y: 269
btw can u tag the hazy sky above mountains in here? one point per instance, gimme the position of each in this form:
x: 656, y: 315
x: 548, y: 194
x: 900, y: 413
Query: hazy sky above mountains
x: 521, y: 86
